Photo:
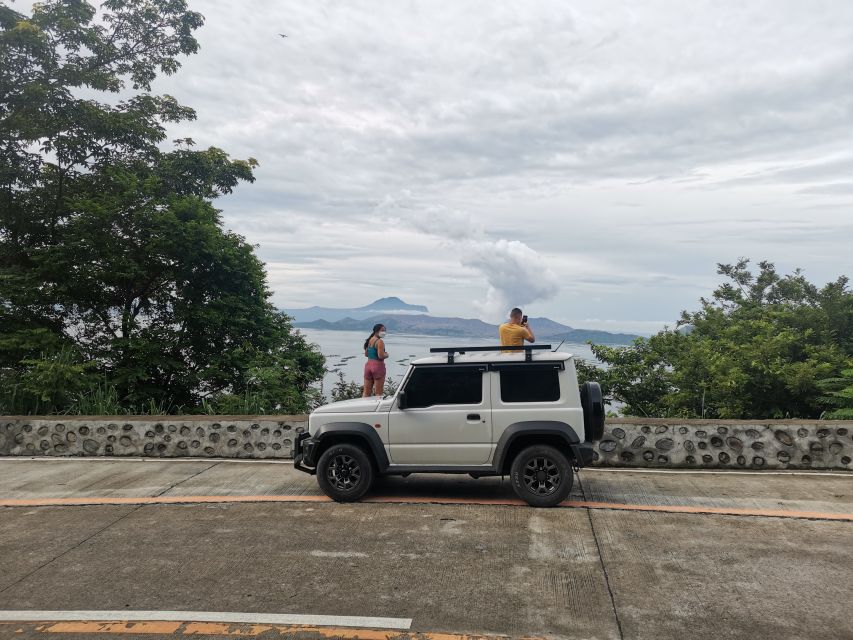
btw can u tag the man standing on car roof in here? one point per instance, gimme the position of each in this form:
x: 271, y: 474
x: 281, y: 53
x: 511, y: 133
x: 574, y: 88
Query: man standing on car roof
x: 516, y: 331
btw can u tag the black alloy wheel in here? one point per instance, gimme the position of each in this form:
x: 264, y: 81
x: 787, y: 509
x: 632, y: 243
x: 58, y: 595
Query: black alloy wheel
x: 541, y: 476
x: 344, y: 473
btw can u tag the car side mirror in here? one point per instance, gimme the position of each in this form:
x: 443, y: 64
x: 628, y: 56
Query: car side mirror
x: 401, y: 401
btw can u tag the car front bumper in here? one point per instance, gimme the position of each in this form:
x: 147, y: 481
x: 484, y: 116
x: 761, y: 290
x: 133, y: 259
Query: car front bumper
x: 304, y: 450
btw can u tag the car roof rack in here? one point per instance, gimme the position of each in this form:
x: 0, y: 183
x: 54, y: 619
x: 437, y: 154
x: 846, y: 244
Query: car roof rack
x: 527, y: 348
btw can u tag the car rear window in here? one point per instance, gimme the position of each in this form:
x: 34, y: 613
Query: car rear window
x: 524, y: 384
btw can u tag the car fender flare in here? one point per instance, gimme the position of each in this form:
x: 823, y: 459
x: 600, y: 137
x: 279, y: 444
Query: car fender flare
x: 360, y: 430
x: 533, y: 428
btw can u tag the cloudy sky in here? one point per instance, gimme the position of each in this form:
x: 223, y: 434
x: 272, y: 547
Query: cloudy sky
x: 591, y: 161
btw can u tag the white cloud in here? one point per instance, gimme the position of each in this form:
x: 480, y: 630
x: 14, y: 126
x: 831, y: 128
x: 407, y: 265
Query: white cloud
x: 514, y: 273
x: 517, y: 275
x: 434, y: 219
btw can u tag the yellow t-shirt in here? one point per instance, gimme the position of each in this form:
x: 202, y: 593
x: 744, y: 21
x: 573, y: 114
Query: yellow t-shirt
x: 512, y: 335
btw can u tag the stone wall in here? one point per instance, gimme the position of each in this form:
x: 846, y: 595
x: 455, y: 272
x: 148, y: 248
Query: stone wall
x: 728, y: 444
x: 700, y: 444
x: 151, y: 436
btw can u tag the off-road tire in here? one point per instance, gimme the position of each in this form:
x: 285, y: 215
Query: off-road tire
x: 345, y: 472
x: 541, y: 476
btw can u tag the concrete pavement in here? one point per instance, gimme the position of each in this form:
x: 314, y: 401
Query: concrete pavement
x: 449, y: 568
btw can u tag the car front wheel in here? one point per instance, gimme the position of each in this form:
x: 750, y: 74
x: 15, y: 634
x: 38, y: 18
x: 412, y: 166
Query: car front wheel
x: 541, y: 476
x: 344, y: 472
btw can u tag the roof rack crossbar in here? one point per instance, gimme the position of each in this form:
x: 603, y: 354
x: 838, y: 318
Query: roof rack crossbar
x: 527, y: 348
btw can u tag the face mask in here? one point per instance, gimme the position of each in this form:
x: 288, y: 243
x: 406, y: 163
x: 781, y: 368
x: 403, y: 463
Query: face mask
x: 381, y: 334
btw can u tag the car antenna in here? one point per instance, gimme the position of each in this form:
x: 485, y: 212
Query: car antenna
x: 559, y: 345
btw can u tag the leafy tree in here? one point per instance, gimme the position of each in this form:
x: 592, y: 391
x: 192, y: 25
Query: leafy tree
x: 636, y: 377
x: 763, y: 346
x: 111, y: 251
x: 838, y: 395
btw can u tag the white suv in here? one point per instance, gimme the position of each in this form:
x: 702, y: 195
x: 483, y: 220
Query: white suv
x: 475, y: 410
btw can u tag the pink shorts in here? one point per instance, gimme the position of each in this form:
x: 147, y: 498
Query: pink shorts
x: 374, y: 370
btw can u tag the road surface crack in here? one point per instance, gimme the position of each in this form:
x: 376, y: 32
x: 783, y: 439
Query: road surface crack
x: 603, y: 566
x: 69, y: 550
x: 197, y: 473
x: 102, y: 529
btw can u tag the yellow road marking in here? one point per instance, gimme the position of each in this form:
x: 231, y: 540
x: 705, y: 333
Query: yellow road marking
x: 154, y: 627
x: 135, y: 500
x: 111, y: 627
x: 725, y: 511
x: 164, y: 500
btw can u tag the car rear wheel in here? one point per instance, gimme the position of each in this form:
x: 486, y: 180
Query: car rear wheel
x: 541, y: 476
x: 344, y: 472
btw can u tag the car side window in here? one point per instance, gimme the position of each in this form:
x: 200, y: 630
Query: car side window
x: 530, y: 385
x: 428, y: 386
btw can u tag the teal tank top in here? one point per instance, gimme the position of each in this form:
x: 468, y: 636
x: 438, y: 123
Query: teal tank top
x: 372, y: 352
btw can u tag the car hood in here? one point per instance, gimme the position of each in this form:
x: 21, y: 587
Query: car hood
x: 359, y: 405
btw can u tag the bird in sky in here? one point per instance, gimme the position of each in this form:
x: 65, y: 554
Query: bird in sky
x: 282, y: 35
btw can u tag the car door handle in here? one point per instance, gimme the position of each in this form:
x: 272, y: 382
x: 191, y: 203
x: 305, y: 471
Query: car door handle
x: 473, y: 416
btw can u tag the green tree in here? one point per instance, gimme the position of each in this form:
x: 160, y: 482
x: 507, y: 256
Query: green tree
x: 838, y: 395
x: 111, y: 251
x: 636, y: 377
x: 763, y: 346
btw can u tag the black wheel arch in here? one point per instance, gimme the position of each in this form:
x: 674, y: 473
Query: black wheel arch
x: 519, y: 435
x: 361, y: 433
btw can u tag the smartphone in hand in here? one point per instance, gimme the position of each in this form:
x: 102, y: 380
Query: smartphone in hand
x: 523, y: 319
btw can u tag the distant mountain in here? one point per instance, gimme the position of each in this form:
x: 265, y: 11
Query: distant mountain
x: 593, y: 335
x: 393, y: 304
x: 544, y: 328
x: 332, y: 314
x: 414, y: 324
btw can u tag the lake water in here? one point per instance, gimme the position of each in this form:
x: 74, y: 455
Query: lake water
x: 344, y: 352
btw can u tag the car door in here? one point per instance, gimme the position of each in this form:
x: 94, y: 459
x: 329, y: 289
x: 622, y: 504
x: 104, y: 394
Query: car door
x: 447, y: 420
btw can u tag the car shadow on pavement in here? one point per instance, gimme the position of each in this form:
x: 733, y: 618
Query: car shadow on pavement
x: 443, y: 486
x: 449, y: 486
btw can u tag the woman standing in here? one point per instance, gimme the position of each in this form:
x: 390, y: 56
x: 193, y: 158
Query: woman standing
x: 374, y: 368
